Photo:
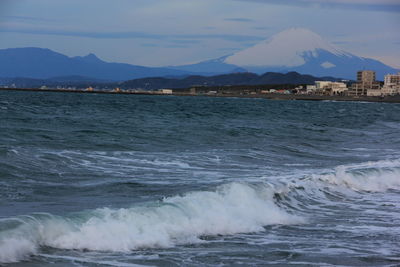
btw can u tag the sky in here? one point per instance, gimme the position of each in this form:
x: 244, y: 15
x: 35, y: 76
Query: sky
x: 177, y: 32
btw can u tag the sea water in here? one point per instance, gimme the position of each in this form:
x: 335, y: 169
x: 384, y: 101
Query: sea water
x: 129, y: 180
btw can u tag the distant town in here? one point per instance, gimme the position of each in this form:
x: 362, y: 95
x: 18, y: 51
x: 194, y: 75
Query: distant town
x: 366, y: 87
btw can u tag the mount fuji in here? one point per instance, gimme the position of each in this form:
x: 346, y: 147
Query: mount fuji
x: 295, y: 49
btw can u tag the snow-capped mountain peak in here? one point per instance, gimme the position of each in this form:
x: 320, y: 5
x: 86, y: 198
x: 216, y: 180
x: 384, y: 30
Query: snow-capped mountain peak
x: 296, y: 49
x: 286, y: 48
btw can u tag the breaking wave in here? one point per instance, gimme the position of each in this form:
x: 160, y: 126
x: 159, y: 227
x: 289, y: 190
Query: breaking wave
x: 232, y: 208
x: 229, y: 209
x: 378, y: 176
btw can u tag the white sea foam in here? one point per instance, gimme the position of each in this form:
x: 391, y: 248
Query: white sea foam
x: 232, y: 208
x: 377, y: 176
x: 14, y: 249
x: 92, y: 261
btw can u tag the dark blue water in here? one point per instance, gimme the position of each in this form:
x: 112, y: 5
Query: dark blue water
x: 116, y: 180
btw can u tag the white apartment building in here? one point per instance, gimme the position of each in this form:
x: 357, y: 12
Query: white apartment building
x: 330, y: 88
x: 390, y: 87
x: 392, y: 79
x: 392, y: 84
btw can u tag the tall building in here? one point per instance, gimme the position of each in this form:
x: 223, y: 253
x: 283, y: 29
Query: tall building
x: 366, y: 76
x: 365, y: 81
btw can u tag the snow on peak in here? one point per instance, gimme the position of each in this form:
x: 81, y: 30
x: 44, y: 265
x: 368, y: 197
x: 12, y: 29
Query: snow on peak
x: 327, y: 65
x: 286, y: 48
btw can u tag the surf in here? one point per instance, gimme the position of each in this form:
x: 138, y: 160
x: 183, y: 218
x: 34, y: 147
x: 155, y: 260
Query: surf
x: 228, y: 209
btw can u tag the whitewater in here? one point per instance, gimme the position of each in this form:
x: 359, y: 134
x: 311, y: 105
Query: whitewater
x: 95, y: 180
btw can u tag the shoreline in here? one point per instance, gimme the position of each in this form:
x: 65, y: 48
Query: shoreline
x: 271, y: 96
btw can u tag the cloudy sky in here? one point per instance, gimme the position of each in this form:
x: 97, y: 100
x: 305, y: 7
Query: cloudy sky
x: 174, y: 32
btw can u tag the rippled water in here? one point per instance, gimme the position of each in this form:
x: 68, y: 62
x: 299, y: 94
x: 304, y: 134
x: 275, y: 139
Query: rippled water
x: 114, y: 180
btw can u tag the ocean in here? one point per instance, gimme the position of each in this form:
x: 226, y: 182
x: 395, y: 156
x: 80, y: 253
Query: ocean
x: 129, y: 180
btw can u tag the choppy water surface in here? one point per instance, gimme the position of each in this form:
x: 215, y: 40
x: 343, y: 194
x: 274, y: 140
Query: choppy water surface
x: 111, y: 180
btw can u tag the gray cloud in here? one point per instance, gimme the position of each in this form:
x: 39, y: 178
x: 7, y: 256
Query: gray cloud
x: 185, y: 41
x: 134, y: 35
x: 229, y: 49
x: 261, y: 28
x: 27, y: 19
x: 367, y: 5
x: 96, y: 35
x: 150, y: 45
x: 239, y: 19
x: 165, y: 45
x: 340, y: 42
x: 176, y: 46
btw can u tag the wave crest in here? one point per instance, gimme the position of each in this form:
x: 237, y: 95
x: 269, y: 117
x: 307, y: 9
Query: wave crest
x: 377, y: 176
x: 232, y: 208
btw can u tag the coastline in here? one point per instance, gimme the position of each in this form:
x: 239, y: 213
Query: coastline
x: 271, y: 96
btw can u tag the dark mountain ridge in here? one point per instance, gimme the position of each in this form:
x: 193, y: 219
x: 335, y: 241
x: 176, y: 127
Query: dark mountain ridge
x: 154, y: 83
x: 245, y: 78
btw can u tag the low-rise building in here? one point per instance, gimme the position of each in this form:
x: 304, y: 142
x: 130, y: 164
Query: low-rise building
x: 388, y: 90
x: 193, y: 91
x: 165, y: 91
x: 330, y: 88
x: 338, y: 88
x: 374, y: 92
x: 301, y: 90
x: 311, y: 89
x: 322, y: 84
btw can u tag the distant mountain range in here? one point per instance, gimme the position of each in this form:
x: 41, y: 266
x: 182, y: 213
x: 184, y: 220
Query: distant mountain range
x: 39, y: 63
x: 233, y: 79
x: 294, y: 50
x: 65, y: 81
